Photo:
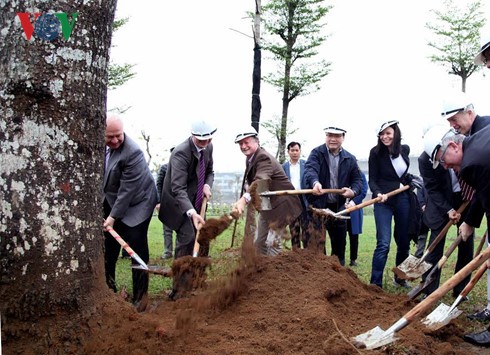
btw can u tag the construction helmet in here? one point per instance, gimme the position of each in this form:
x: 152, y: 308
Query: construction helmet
x: 479, y: 58
x: 244, y: 132
x: 202, y: 130
x: 334, y: 130
x: 433, y: 141
x: 385, y: 124
x: 454, y: 103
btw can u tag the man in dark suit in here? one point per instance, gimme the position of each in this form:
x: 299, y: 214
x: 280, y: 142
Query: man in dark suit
x: 130, y: 197
x: 443, y: 199
x: 469, y: 156
x: 294, y: 169
x: 330, y: 166
x: 180, y: 203
x: 168, y: 243
x: 263, y: 166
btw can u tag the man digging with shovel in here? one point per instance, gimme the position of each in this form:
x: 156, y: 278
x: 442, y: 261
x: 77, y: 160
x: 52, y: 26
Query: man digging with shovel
x: 469, y: 157
x: 284, y: 209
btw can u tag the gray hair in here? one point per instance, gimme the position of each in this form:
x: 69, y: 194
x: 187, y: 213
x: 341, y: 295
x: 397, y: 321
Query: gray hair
x: 457, y: 138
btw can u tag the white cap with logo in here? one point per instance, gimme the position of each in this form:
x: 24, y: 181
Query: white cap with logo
x: 386, y: 124
x: 454, y: 103
x: 244, y: 132
x: 433, y: 141
x: 479, y: 58
x: 334, y: 130
x: 202, y: 130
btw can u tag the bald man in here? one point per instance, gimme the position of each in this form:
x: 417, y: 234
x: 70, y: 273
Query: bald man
x: 130, y: 197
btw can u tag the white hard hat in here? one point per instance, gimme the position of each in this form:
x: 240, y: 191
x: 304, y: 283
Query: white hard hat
x: 334, y: 130
x: 202, y: 130
x: 386, y: 124
x: 479, y: 58
x: 454, y: 103
x: 246, y: 131
x: 433, y: 140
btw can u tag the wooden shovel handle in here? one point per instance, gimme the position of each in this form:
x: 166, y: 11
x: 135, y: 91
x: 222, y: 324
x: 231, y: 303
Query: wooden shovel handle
x: 299, y: 192
x: 476, y: 277
x: 443, y: 232
x: 372, y: 201
x: 447, y: 286
x: 482, y: 243
x: 195, y: 252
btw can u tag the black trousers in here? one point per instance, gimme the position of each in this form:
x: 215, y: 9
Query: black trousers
x: 353, y: 241
x: 137, y: 238
x: 299, y: 231
x: 465, y: 253
x: 337, y: 231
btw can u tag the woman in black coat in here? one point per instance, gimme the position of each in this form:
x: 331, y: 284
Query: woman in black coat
x: 388, y: 169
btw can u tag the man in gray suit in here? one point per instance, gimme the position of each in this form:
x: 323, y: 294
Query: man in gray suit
x: 180, y: 203
x: 130, y: 197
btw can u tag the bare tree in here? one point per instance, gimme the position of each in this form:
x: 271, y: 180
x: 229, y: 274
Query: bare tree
x: 294, y: 27
x: 457, y: 30
x: 52, y: 120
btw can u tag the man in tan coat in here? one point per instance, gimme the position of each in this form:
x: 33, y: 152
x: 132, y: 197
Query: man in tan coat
x: 262, y: 165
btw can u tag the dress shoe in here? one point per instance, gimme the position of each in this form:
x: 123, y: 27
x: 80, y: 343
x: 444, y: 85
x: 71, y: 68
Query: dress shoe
x: 352, y: 263
x: 172, y: 296
x: 166, y: 256
x: 483, y: 315
x: 481, y: 338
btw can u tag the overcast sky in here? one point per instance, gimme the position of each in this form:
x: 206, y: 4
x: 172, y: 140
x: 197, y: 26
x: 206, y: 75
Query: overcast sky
x: 190, y: 65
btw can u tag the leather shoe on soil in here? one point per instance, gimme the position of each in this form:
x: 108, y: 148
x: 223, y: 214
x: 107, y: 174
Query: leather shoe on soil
x: 483, y: 315
x: 400, y: 283
x: 481, y: 338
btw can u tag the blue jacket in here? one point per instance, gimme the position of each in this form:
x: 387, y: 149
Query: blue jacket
x: 316, y: 169
x: 356, y: 217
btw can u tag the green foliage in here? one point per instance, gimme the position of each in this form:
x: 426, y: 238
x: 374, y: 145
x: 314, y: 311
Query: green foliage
x: 119, y: 74
x: 293, y: 29
x: 457, y: 32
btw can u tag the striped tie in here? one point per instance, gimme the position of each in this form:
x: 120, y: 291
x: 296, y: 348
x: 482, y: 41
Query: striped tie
x: 467, y: 191
x: 200, y: 182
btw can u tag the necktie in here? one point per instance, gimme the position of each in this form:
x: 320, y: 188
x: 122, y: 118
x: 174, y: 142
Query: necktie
x: 466, y: 190
x: 200, y: 182
x: 107, y: 156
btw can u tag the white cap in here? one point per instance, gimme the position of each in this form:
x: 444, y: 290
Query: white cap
x: 385, y: 125
x: 454, y: 103
x: 246, y: 131
x: 433, y: 141
x: 479, y: 58
x: 202, y: 130
x: 335, y: 130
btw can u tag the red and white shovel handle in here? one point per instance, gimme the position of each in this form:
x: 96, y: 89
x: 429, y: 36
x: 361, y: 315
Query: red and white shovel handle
x: 126, y: 247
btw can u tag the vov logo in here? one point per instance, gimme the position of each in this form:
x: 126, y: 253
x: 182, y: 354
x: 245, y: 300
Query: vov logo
x: 47, y: 26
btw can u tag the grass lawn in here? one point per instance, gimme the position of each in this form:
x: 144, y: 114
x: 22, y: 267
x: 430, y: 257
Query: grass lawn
x: 224, y: 261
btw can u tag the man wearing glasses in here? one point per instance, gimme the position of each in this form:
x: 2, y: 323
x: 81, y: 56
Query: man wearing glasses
x: 444, y: 196
x: 469, y: 156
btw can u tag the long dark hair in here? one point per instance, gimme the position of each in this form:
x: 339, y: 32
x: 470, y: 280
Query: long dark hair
x: 396, y: 146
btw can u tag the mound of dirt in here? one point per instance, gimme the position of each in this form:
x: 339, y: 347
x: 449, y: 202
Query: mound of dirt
x: 299, y: 302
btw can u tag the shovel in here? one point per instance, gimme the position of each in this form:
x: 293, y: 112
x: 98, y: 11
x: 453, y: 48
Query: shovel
x: 154, y: 269
x: 369, y: 202
x: 443, y: 314
x: 131, y: 252
x: 482, y: 242
x: 378, y: 337
x: 195, y: 252
x: 432, y: 275
x: 412, y: 267
x: 260, y: 190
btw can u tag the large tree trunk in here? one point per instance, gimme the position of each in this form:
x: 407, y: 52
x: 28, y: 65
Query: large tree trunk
x: 52, y: 118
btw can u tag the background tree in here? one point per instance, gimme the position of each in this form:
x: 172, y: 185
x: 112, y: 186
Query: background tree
x: 457, y: 32
x: 119, y: 74
x: 52, y: 121
x: 294, y: 37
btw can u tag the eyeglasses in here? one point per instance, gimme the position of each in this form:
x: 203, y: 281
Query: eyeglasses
x: 441, y: 159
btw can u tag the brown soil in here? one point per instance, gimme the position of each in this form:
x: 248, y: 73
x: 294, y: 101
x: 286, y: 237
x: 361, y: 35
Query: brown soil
x: 299, y: 302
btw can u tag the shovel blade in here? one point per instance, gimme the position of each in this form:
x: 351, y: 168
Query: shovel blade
x: 441, y: 316
x: 411, y: 268
x: 374, y: 338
